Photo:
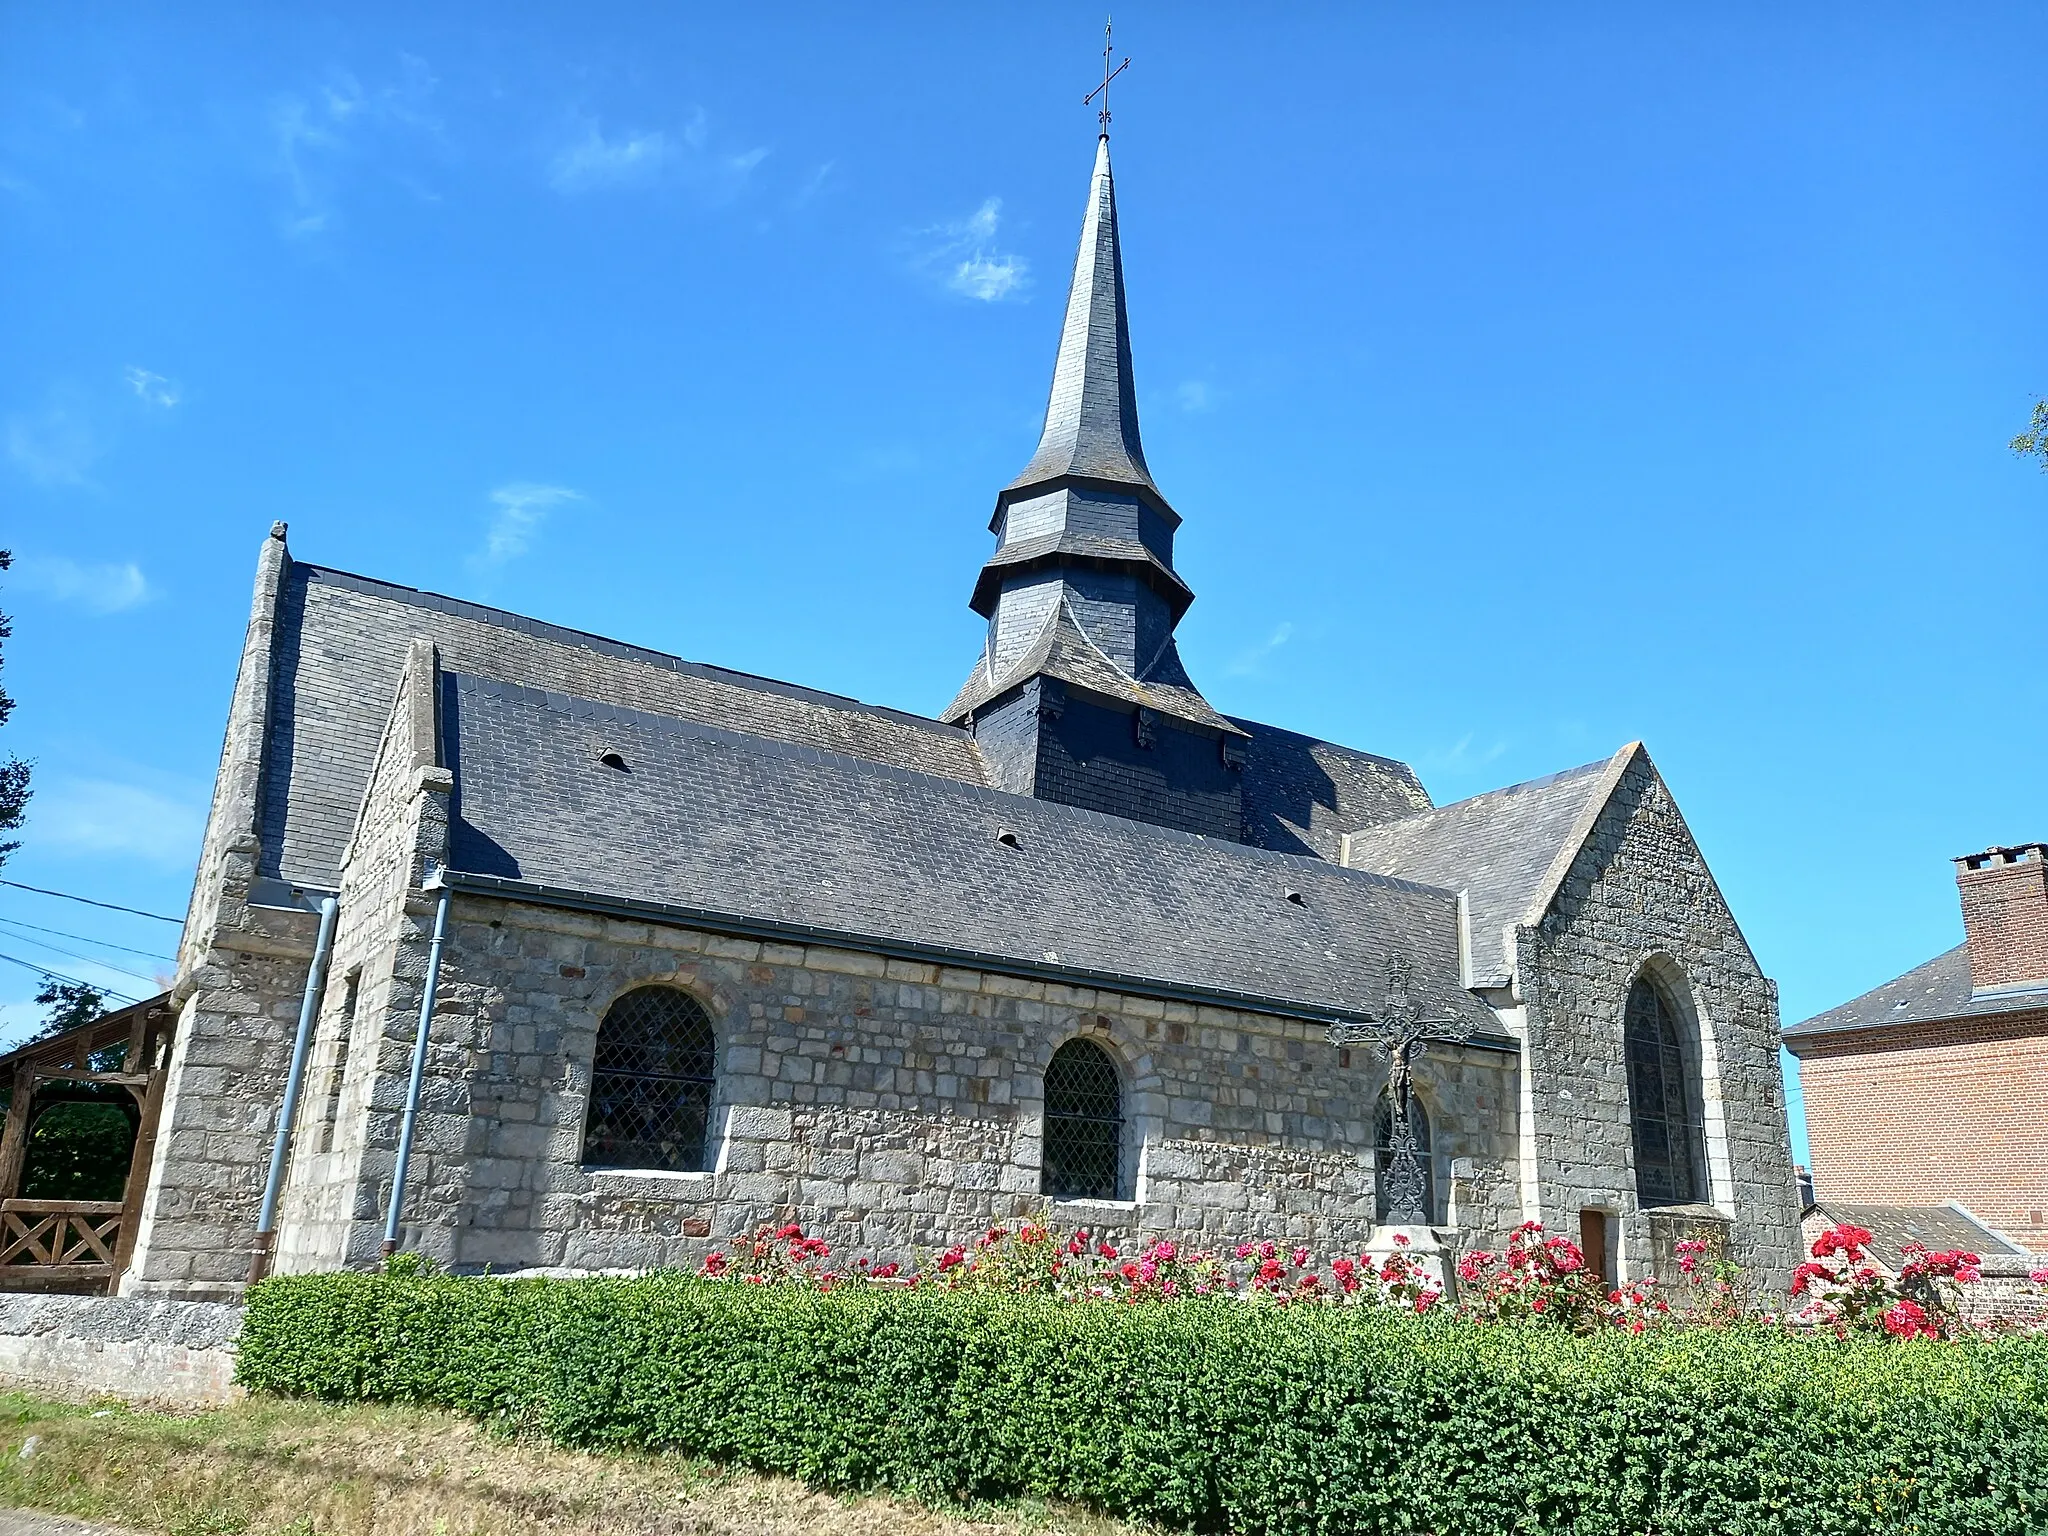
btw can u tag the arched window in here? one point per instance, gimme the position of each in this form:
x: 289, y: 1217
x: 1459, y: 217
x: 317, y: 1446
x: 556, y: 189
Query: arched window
x: 1084, y: 1124
x: 1664, y: 1100
x: 650, y: 1084
x: 1383, y: 1152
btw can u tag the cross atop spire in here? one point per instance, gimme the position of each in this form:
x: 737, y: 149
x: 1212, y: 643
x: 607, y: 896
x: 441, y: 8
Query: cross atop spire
x: 1108, y: 75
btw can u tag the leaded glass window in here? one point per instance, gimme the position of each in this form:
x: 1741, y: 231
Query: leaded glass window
x: 1084, y: 1124
x: 1664, y: 1101
x: 1383, y: 1152
x: 650, y: 1084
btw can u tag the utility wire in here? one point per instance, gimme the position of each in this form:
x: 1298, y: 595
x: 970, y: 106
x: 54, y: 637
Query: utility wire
x: 147, y: 954
x: 110, y: 906
x: 118, y: 970
x: 44, y: 970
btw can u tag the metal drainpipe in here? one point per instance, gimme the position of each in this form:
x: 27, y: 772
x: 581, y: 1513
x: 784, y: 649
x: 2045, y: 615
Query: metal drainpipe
x: 419, y: 1064
x: 288, y: 1113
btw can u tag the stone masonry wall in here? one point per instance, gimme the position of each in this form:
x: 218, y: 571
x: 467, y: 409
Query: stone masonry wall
x: 1639, y: 895
x: 240, y: 974
x: 885, y: 1104
x: 361, y: 1055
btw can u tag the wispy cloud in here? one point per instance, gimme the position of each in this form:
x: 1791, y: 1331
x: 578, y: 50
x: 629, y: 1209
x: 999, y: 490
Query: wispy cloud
x: 54, y: 446
x: 96, y: 588
x: 590, y: 160
x: 152, y: 388
x: 314, y: 133
x: 1466, y: 756
x: 961, y: 255
x: 100, y: 816
x: 1194, y: 396
x: 522, y: 508
x: 1249, y: 662
x: 813, y: 184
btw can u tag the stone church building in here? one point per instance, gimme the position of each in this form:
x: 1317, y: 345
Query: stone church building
x: 694, y: 950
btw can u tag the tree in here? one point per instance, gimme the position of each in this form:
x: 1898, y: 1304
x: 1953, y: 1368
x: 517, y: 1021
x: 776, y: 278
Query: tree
x: 2030, y: 444
x: 71, y: 1003
x: 13, y: 771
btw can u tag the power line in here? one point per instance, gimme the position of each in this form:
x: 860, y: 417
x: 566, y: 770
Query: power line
x: 118, y: 970
x: 147, y: 954
x: 110, y: 906
x: 44, y: 970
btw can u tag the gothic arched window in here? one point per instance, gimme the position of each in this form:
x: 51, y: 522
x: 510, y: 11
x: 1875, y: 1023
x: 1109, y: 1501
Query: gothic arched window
x: 650, y: 1084
x: 1663, y: 1100
x: 1383, y: 1151
x: 1084, y: 1124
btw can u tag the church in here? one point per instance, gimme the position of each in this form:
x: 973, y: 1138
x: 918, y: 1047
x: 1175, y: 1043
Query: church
x: 534, y: 951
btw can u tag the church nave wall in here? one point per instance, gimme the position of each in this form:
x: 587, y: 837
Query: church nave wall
x: 888, y: 1105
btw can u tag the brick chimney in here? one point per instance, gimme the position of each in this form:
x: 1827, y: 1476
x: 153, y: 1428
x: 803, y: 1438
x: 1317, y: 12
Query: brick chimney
x: 2005, y: 915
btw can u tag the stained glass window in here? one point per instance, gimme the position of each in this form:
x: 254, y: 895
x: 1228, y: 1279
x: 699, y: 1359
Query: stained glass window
x: 1084, y: 1124
x: 650, y: 1084
x: 1664, y: 1101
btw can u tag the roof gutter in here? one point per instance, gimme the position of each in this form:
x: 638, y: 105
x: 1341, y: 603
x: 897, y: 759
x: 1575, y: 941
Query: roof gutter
x: 541, y: 894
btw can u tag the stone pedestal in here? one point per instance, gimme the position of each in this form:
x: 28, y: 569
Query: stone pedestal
x: 1425, y: 1245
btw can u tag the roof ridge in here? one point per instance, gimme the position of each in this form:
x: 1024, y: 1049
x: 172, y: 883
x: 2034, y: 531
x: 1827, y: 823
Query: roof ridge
x: 622, y: 649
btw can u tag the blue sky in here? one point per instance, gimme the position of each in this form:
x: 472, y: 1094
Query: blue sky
x: 1528, y: 382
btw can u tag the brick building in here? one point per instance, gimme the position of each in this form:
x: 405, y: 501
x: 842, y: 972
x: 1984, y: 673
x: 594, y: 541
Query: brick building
x: 1934, y: 1087
x: 550, y: 952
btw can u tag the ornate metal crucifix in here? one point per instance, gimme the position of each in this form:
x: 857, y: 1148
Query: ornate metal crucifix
x: 1108, y: 75
x: 1402, y: 1032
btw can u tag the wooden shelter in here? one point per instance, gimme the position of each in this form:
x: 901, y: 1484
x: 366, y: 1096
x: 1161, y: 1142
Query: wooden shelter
x: 81, y: 1245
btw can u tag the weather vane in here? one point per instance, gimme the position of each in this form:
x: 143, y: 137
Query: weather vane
x: 1108, y: 75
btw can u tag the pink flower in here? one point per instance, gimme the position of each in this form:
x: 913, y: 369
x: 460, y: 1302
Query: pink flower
x: 952, y: 1258
x: 1244, y: 1250
x: 1300, y: 1257
x: 886, y: 1271
x: 1908, y: 1320
x: 1106, y: 1251
x: 715, y: 1265
x: 1400, y: 1239
x: 2038, y: 1276
x: 792, y: 1230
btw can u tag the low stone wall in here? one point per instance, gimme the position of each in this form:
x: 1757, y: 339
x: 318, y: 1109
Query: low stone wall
x: 177, y: 1354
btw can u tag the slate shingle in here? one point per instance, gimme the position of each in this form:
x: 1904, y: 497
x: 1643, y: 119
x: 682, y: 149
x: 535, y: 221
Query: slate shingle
x: 722, y: 821
x: 1496, y: 847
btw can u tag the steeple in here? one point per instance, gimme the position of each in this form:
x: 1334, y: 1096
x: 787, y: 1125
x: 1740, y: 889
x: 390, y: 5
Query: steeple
x: 1081, y: 594
x: 1091, y: 421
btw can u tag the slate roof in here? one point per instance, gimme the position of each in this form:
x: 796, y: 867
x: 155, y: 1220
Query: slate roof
x: 1091, y: 419
x: 1497, y: 847
x: 1930, y: 993
x: 1302, y: 795
x: 714, y: 820
x: 340, y: 646
x: 1940, y: 1228
x: 1063, y: 650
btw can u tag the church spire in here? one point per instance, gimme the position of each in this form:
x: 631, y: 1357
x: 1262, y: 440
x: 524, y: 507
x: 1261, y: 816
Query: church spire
x: 1091, y: 419
x: 1080, y: 695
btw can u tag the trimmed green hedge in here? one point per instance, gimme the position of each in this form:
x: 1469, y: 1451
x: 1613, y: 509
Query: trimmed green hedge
x: 1212, y: 1414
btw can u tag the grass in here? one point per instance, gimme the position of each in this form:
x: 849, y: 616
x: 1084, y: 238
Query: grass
x: 271, y: 1467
